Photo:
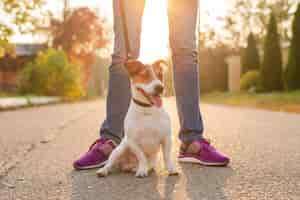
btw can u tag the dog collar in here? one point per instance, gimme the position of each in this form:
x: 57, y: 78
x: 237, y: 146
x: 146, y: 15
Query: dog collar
x: 146, y: 105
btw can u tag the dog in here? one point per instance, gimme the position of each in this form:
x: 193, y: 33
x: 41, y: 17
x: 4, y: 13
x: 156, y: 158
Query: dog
x: 147, y: 126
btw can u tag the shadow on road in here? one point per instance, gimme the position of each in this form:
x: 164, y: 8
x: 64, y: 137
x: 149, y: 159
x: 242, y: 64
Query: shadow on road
x: 87, y: 186
x: 205, y: 182
x: 194, y: 183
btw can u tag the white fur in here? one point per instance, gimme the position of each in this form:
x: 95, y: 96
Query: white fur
x: 149, y: 88
x: 146, y: 130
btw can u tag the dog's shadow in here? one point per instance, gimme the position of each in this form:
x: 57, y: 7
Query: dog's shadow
x: 204, y: 182
x: 194, y: 183
x: 117, y: 186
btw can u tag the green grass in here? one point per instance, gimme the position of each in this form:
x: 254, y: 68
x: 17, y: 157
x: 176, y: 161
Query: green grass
x: 285, y: 101
x: 15, y: 95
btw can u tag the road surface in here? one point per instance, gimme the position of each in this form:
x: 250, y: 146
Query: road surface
x: 38, y: 145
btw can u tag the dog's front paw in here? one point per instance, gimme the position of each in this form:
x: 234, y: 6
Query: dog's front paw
x: 142, y: 172
x: 172, y: 171
x: 103, y: 172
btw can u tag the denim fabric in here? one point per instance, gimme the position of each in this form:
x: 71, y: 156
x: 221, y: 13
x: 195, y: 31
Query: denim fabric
x: 182, y: 25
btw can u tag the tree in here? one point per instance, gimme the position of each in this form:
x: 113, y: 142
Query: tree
x: 247, y: 16
x: 271, y: 70
x: 17, y: 13
x: 20, y: 13
x: 7, y: 49
x: 292, y: 73
x: 81, y: 33
x: 250, y: 58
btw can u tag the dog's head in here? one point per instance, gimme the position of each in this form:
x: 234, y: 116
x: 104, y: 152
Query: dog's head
x: 147, y: 81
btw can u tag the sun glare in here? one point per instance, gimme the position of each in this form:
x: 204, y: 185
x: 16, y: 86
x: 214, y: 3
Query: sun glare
x: 155, y: 26
x: 154, y: 42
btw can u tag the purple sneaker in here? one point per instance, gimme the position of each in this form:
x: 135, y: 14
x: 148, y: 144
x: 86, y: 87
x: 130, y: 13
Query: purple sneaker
x: 96, y: 156
x: 201, y: 152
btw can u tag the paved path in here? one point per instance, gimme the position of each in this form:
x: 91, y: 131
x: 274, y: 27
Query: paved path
x: 17, y: 102
x: 38, y: 146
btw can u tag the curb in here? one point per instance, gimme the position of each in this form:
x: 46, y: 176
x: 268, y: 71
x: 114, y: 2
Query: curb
x: 13, y: 103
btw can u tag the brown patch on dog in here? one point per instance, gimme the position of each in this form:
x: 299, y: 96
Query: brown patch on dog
x: 128, y: 161
x: 145, y: 76
x: 138, y: 72
x: 158, y: 68
x: 134, y: 67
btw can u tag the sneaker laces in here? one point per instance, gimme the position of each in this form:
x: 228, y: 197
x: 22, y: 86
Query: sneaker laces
x: 102, y: 142
x: 207, y: 145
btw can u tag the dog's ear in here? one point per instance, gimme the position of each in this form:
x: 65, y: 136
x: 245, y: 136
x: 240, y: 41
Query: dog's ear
x: 133, y: 67
x: 163, y: 64
x: 160, y: 67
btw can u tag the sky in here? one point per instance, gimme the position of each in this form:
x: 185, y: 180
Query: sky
x: 154, y: 43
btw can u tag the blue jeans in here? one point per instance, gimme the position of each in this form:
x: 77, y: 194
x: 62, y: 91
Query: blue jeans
x: 182, y: 27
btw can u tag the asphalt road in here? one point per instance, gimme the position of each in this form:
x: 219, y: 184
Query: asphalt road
x: 38, y: 145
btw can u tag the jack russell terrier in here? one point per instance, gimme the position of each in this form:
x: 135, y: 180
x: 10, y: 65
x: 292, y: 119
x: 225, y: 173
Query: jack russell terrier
x: 147, y: 125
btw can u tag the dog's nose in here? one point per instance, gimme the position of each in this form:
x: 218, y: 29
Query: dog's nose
x: 158, y: 89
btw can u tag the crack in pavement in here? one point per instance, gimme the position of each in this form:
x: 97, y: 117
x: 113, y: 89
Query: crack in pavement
x: 6, y: 167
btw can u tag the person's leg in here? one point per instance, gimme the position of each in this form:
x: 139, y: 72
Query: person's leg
x: 119, y: 95
x: 182, y: 24
x: 111, y: 131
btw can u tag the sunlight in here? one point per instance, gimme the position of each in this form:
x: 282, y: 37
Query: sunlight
x: 155, y: 26
x: 154, y: 44
x: 155, y: 31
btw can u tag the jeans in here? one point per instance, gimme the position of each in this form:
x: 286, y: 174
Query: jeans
x: 182, y: 16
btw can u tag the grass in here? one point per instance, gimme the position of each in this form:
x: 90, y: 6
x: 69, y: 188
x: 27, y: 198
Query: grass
x: 14, y: 95
x: 276, y: 101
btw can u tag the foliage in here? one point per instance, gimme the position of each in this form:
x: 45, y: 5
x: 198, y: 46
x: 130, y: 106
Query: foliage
x: 51, y: 74
x: 247, y: 16
x: 81, y: 33
x: 271, y: 70
x: 250, y: 57
x: 6, y: 49
x: 20, y: 13
x: 292, y: 73
x: 249, y: 80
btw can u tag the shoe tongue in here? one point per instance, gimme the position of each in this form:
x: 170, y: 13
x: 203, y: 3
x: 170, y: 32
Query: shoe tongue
x: 105, y: 147
x: 205, y: 144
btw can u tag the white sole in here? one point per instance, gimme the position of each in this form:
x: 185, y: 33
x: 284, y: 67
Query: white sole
x: 92, y: 166
x: 197, y: 161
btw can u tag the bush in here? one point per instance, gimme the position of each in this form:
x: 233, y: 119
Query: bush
x: 249, y: 80
x: 51, y: 74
